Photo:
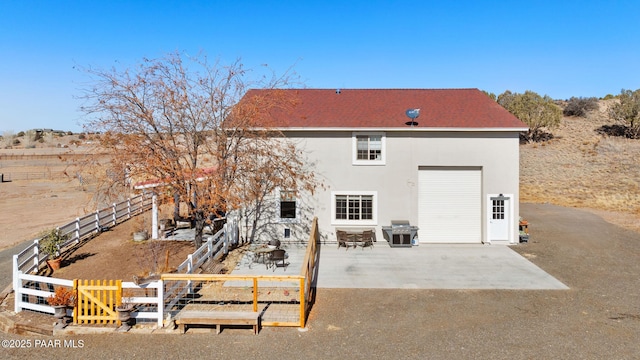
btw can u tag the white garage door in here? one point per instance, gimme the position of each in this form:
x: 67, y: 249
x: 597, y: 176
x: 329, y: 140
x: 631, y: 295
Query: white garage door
x: 449, y: 205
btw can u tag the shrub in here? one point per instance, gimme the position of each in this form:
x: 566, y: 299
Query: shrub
x: 50, y: 242
x: 540, y: 113
x: 627, y: 112
x: 579, y: 106
x: 62, y: 297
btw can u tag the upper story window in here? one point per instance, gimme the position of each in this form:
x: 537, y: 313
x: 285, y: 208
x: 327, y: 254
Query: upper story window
x: 369, y: 148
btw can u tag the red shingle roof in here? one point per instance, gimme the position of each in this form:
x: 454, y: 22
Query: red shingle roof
x: 385, y: 108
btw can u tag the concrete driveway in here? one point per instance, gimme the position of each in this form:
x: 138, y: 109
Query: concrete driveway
x: 418, y: 267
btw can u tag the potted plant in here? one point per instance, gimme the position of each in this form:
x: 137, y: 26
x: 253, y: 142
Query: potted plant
x: 124, y: 310
x: 140, y: 232
x: 50, y: 242
x: 62, y: 299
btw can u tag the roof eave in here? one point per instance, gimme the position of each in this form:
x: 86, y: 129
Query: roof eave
x: 420, y: 129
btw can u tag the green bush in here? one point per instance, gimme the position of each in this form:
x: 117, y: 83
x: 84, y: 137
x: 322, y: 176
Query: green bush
x: 50, y: 242
x: 540, y: 113
x: 627, y: 112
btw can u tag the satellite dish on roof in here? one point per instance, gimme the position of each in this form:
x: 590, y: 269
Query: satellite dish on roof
x: 412, y: 114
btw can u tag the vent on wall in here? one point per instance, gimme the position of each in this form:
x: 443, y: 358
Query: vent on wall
x: 287, y: 233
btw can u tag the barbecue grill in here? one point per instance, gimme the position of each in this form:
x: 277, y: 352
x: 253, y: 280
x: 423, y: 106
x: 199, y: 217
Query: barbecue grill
x: 400, y: 233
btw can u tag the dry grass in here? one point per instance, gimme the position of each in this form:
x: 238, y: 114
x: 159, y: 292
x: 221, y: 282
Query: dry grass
x: 582, y: 168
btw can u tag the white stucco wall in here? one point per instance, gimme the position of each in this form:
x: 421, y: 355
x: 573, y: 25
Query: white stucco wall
x: 396, y: 182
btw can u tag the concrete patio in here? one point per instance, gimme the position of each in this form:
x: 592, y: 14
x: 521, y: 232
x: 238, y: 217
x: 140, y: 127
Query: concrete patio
x: 418, y: 267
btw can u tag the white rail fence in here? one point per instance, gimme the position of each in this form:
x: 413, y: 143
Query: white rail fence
x: 151, y: 299
x: 148, y: 301
x: 213, y: 249
x: 30, y: 259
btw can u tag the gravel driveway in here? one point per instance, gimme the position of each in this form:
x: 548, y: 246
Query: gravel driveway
x: 597, y: 318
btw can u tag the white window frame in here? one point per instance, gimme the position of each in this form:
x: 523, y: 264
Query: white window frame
x: 372, y: 222
x: 383, y: 150
x: 279, y: 209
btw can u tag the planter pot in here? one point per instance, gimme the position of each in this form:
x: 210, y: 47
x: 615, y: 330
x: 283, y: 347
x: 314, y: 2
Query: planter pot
x: 54, y: 264
x: 140, y: 236
x: 60, y: 311
x: 124, y: 316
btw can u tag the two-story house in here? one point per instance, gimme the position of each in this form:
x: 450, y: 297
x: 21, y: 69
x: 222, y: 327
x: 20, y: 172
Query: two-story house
x: 445, y: 160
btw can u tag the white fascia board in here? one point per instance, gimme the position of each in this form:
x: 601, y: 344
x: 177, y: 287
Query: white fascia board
x: 435, y: 129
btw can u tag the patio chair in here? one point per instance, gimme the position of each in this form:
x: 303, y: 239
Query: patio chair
x: 367, y: 239
x: 277, y: 259
x: 343, y: 239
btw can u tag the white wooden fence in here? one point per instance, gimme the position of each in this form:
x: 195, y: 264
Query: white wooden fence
x: 31, y: 291
x: 214, y: 248
x: 30, y: 259
x: 150, y: 306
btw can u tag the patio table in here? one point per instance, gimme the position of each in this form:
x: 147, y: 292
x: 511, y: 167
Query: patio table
x: 261, y: 253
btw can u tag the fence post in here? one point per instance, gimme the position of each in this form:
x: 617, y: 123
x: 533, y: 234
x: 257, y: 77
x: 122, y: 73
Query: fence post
x: 77, y: 230
x: 98, y: 220
x: 160, y: 303
x: 128, y: 208
x: 154, y: 216
x: 113, y: 208
x: 36, y: 253
x: 225, y: 239
x: 17, y: 286
x: 190, y: 271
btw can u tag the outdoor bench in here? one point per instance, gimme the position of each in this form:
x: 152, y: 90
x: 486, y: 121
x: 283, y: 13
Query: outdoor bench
x: 217, y: 318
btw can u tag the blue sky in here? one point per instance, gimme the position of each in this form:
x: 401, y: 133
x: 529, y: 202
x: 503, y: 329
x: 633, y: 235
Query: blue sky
x: 558, y: 48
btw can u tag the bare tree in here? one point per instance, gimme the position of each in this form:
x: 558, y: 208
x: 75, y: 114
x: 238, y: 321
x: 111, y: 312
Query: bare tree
x: 184, y: 130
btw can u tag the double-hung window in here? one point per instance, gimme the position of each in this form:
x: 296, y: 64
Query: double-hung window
x: 369, y: 148
x: 357, y: 208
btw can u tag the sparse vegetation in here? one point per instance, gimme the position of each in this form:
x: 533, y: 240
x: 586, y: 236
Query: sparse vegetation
x: 29, y: 139
x: 583, y: 167
x: 580, y: 106
x: 7, y: 138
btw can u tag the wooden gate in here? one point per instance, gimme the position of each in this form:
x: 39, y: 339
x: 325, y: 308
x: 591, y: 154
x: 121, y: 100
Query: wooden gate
x: 97, y: 301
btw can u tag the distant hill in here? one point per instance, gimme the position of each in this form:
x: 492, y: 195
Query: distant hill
x: 581, y: 167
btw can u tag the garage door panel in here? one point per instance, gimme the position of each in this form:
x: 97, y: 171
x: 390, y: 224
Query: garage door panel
x: 449, y: 206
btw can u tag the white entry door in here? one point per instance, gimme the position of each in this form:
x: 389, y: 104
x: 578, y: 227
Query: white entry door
x: 499, y: 217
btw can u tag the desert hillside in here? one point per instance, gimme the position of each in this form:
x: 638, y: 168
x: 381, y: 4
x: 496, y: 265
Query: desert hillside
x: 581, y: 167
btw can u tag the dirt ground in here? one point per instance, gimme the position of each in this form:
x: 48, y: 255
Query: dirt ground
x: 27, y: 207
x: 114, y: 255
